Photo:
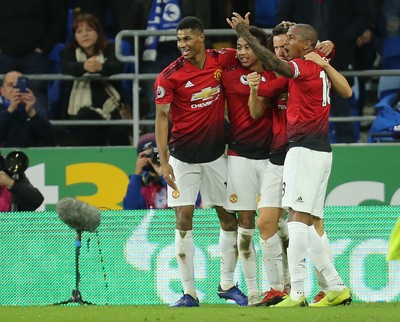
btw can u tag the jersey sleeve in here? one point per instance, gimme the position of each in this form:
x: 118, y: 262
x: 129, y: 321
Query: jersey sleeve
x: 303, y: 69
x: 164, y: 90
x: 273, y: 87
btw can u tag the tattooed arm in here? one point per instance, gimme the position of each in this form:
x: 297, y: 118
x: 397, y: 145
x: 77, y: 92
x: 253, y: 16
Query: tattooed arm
x: 267, y: 58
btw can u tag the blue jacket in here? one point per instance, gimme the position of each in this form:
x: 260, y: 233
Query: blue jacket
x: 385, y: 120
x: 141, y: 196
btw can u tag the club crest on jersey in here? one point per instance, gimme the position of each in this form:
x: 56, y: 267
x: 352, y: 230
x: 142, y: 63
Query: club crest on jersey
x: 233, y: 198
x: 217, y: 74
x: 160, y: 92
x: 175, y: 194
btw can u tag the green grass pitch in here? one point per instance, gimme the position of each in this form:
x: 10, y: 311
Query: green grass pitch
x: 364, y: 312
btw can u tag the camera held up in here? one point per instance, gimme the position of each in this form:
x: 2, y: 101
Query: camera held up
x: 154, y: 157
x: 14, y: 163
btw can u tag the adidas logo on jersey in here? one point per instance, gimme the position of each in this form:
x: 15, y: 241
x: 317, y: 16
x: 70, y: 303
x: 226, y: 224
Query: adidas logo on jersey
x: 299, y: 199
x: 189, y: 84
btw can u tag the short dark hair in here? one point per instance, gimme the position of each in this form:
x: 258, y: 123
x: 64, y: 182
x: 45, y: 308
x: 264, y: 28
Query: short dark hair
x: 259, y: 34
x: 280, y: 29
x: 190, y: 22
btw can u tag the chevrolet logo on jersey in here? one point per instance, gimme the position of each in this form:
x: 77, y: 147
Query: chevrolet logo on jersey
x: 206, y: 93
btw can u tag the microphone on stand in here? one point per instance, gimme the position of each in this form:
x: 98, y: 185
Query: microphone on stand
x: 78, y: 215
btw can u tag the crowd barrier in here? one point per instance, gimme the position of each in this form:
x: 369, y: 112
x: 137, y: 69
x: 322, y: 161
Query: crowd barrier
x: 133, y: 38
x: 130, y: 259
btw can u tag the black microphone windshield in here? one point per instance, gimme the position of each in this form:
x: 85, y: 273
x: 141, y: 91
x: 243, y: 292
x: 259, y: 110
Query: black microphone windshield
x: 78, y: 215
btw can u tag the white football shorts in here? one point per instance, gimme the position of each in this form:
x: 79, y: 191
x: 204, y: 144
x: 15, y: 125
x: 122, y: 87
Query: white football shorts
x: 271, y: 186
x: 305, y: 180
x: 208, y: 178
x: 244, y: 183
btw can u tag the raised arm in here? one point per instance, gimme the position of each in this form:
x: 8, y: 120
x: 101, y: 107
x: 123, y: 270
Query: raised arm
x: 257, y: 104
x: 339, y: 82
x: 268, y: 59
x: 161, y: 130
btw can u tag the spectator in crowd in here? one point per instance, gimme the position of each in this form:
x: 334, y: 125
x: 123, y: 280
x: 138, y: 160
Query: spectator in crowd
x: 342, y: 22
x: 189, y: 92
x: 91, y: 53
x: 28, y: 31
x: 20, y: 123
x: 309, y: 156
x: 368, y: 45
x: 146, y: 188
x: 16, y: 192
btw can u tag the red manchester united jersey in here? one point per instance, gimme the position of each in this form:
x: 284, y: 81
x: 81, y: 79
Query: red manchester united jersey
x: 197, y: 106
x: 248, y: 137
x: 308, y: 106
x: 277, y: 90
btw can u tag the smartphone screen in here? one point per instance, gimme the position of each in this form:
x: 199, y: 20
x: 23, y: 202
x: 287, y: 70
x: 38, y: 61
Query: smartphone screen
x: 22, y: 83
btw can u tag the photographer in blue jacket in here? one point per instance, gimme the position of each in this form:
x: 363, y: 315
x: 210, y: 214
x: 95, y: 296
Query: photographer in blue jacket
x: 146, y: 188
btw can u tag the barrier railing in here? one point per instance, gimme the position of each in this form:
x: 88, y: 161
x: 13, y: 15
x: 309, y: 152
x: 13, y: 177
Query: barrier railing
x: 136, y: 77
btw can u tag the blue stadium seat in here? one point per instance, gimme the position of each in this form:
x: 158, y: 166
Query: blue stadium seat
x: 388, y: 85
x: 391, y: 53
x: 264, y: 12
x: 54, y: 87
x: 128, y: 67
x: 54, y: 57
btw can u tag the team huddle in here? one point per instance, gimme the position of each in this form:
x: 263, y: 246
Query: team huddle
x: 276, y: 93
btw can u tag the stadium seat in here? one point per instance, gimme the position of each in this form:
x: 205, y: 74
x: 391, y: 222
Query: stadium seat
x: 54, y: 86
x: 388, y: 85
x: 353, y: 112
x: 391, y: 53
x: 264, y: 12
x: 128, y: 67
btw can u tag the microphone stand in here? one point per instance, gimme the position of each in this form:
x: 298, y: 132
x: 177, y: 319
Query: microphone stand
x: 76, y: 296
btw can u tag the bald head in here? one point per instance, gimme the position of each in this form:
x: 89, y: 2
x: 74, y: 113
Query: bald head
x: 307, y: 32
x: 13, y: 75
x: 9, y: 82
x: 302, y: 39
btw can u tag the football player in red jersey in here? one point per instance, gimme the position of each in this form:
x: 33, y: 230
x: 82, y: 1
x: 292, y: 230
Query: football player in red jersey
x: 189, y: 93
x: 248, y: 151
x: 308, y: 162
x: 270, y: 208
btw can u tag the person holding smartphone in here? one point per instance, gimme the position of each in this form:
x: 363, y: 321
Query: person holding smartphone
x: 20, y: 123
